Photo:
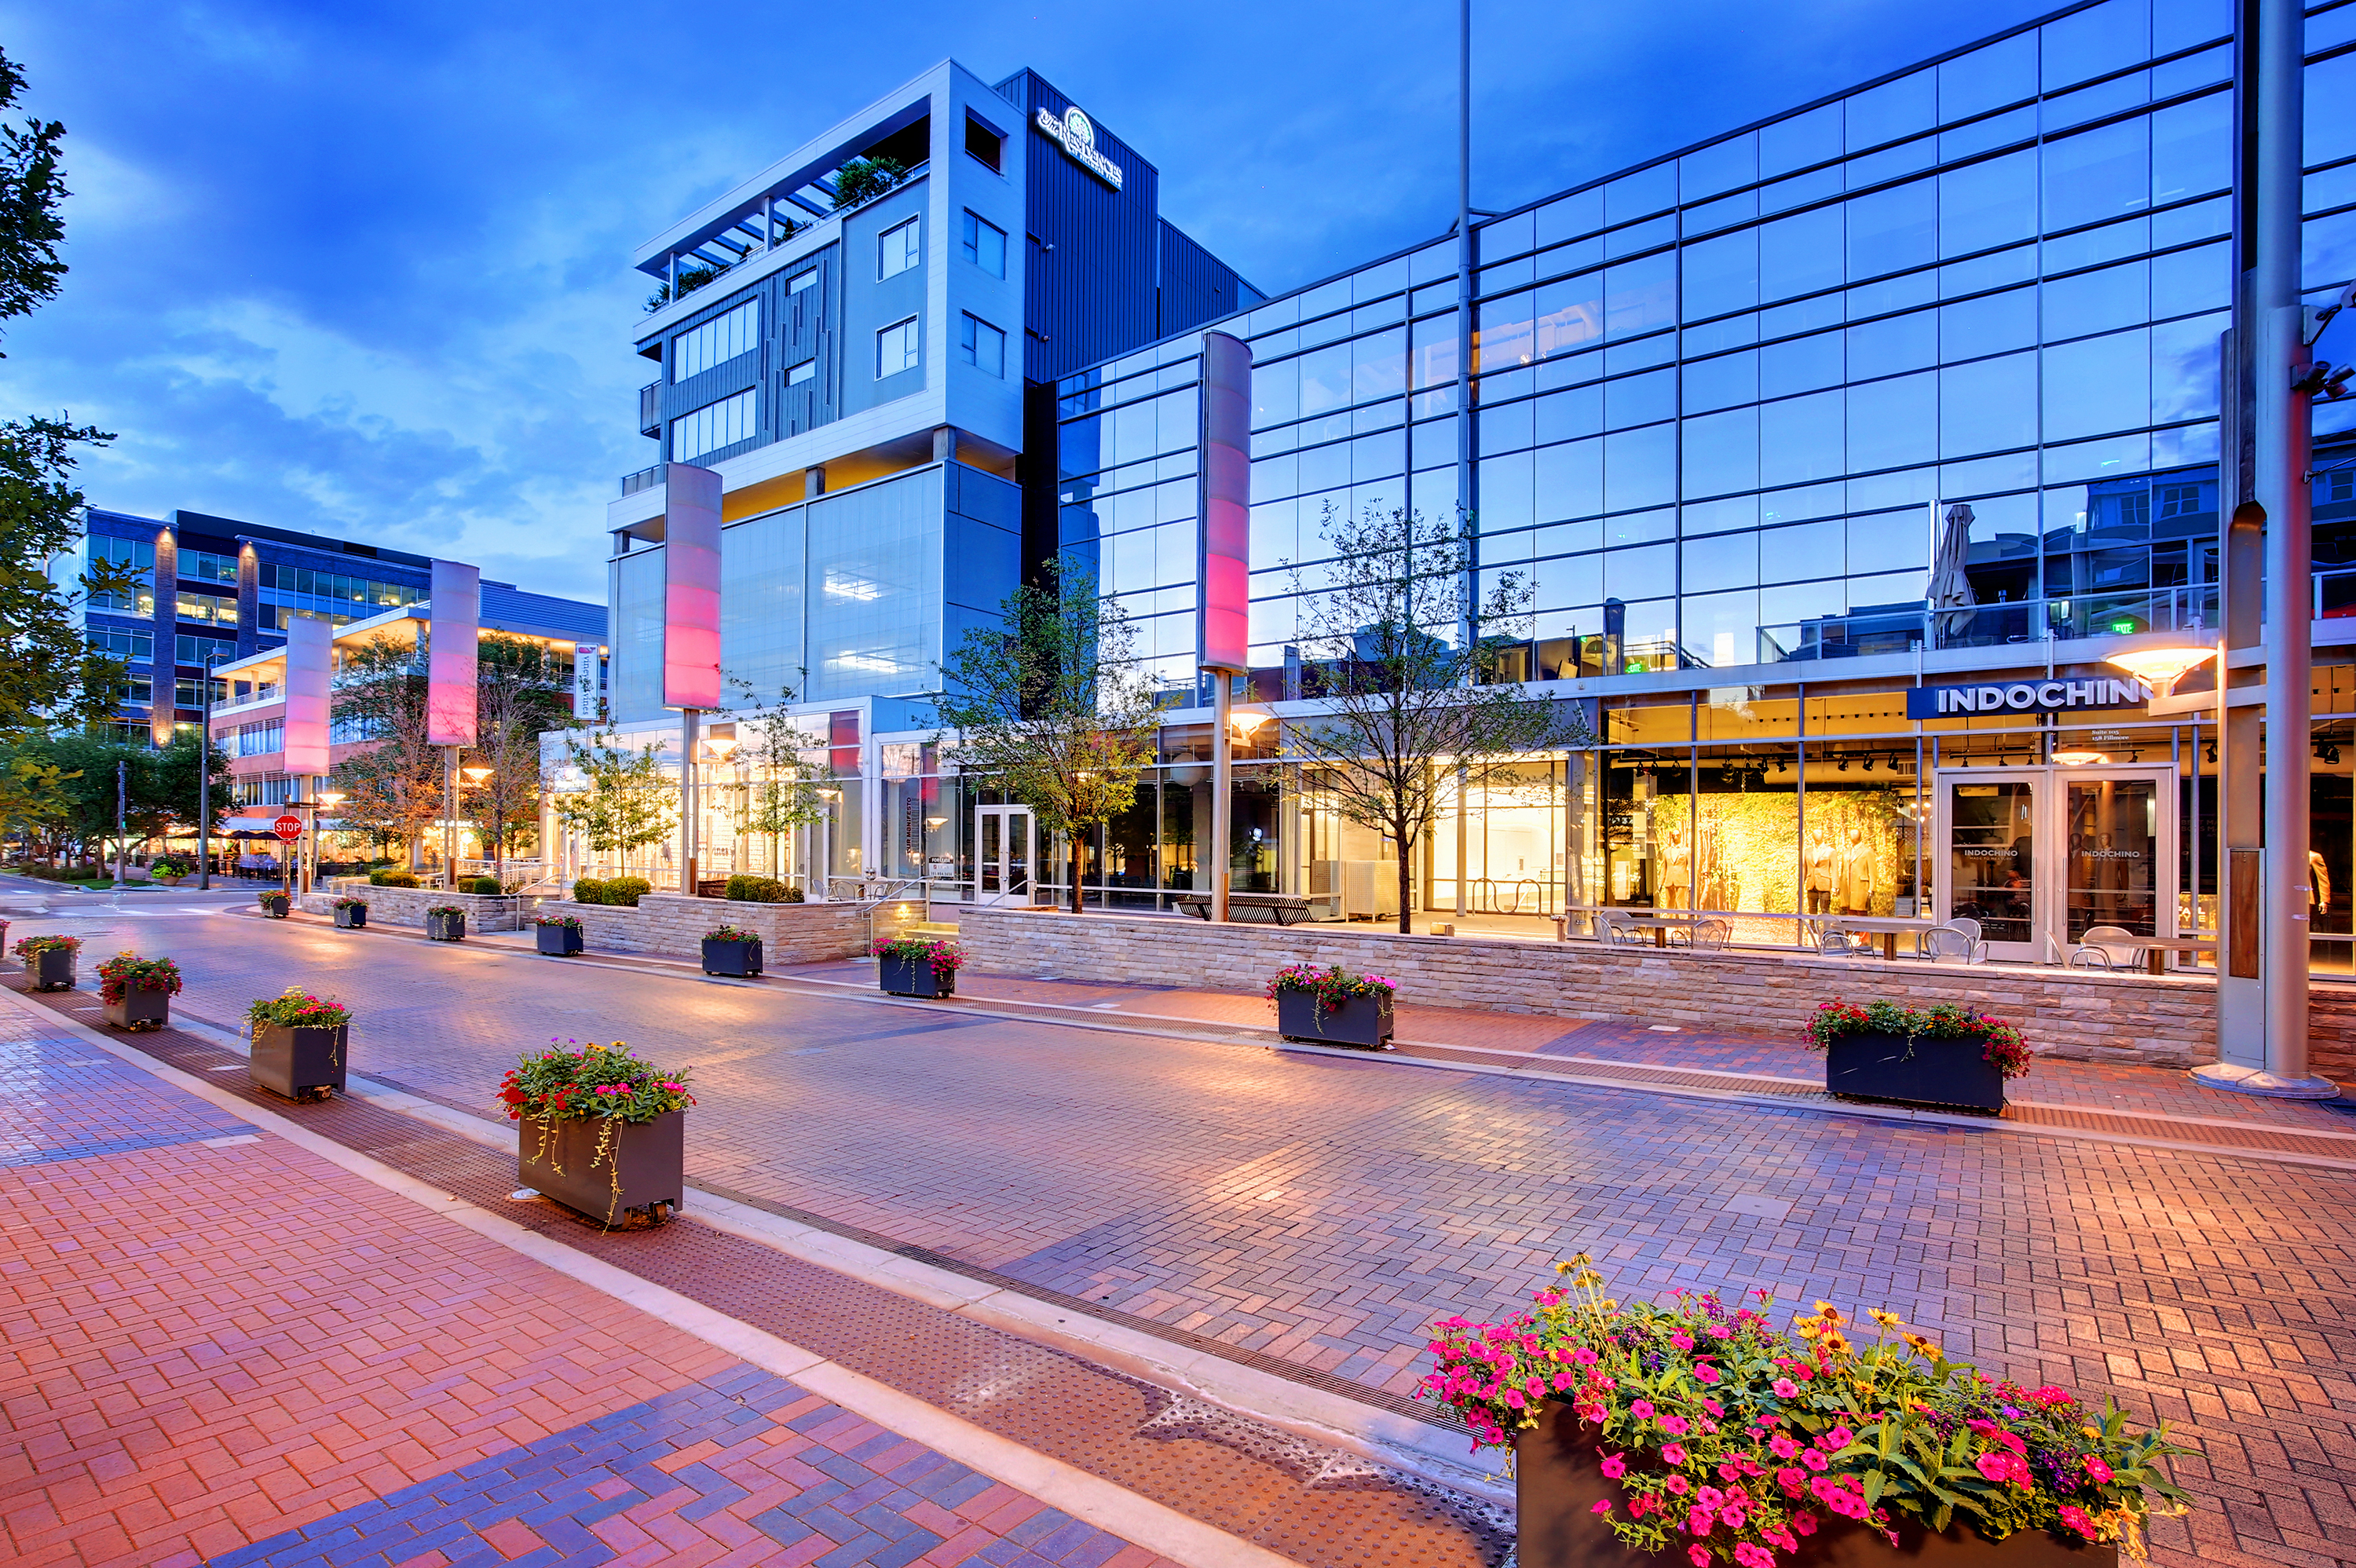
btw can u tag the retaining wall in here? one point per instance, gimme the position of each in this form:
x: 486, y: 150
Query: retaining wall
x: 2161, y: 1021
x: 673, y: 926
x: 407, y: 906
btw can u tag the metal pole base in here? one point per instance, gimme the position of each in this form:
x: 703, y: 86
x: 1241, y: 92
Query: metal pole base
x: 2258, y: 1080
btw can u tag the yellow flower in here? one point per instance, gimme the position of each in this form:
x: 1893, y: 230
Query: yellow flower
x: 1923, y: 1347
x: 1564, y: 1268
x: 2092, y: 1430
x: 1886, y: 1319
x: 1835, y: 1342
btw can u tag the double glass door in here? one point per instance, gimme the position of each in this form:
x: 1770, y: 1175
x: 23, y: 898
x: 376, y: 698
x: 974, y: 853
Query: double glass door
x: 1004, y: 844
x: 2041, y: 856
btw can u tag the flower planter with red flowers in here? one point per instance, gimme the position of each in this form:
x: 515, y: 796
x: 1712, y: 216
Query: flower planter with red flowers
x: 274, y: 905
x: 300, y: 1045
x: 1699, y: 1433
x: 600, y: 1131
x: 351, y: 913
x: 48, y: 961
x: 137, y: 992
x: 731, y: 950
x: 1944, y: 1056
x: 557, y: 935
x: 1332, y: 1007
x: 445, y: 922
x: 918, y: 967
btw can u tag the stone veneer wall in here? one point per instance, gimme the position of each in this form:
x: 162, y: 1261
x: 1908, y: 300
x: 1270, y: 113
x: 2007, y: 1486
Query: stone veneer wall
x: 407, y: 906
x: 660, y: 922
x: 2162, y: 1021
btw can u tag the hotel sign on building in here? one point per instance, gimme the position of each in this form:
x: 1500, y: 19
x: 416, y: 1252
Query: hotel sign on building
x: 1077, y: 136
x: 2024, y: 697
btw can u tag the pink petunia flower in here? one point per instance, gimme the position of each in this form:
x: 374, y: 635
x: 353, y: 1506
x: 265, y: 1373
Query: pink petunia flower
x: 1673, y: 1453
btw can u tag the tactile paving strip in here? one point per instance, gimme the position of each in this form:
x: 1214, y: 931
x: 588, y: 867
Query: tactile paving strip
x: 1320, y: 1506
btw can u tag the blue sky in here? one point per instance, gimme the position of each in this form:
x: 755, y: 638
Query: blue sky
x: 365, y: 270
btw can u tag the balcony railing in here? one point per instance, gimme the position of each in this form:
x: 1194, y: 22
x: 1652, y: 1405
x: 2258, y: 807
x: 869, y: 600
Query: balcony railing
x: 644, y: 479
x: 650, y: 409
x: 1896, y: 628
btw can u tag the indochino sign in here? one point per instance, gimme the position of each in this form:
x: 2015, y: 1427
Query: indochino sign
x: 2094, y: 694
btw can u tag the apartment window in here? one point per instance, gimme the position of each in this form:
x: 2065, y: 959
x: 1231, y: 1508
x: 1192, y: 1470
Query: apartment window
x: 203, y: 566
x: 203, y: 652
x: 897, y: 346
x: 984, y: 143
x: 897, y: 250
x: 981, y: 345
x: 796, y: 375
x: 716, y: 341
x: 118, y: 642
x: 715, y: 425
x: 187, y: 691
x: 206, y: 607
x: 801, y: 281
x: 985, y: 245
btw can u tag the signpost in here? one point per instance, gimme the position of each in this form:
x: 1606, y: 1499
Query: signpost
x: 290, y: 829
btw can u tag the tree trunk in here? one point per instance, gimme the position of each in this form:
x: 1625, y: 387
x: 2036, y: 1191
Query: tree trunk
x: 1077, y: 903
x: 1406, y: 885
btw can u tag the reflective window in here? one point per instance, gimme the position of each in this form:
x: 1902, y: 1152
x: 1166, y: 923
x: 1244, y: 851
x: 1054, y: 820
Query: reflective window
x: 983, y: 244
x: 897, y: 248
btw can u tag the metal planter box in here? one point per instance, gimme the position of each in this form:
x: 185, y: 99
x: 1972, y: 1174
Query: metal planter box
x: 915, y: 978
x: 1558, y: 1480
x: 275, y: 905
x: 643, y: 1167
x: 558, y: 941
x: 1924, y: 1070
x: 446, y: 928
x: 142, y: 1007
x: 742, y: 959
x: 51, y: 969
x: 352, y: 917
x: 1359, y: 1020
x: 298, y: 1062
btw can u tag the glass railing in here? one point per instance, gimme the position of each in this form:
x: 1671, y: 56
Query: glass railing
x: 644, y: 479
x: 1896, y: 628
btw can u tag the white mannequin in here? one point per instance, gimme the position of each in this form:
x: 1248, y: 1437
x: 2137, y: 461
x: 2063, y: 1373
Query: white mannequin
x: 1857, y: 874
x: 1820, y: 874
x: 1676, y: 871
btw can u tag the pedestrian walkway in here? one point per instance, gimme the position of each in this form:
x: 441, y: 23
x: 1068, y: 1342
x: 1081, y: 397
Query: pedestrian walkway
x: 221, y: 1349
x: 429, y: 1395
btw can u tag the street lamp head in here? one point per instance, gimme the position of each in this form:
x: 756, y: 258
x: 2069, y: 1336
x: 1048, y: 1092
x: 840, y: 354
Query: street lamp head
x: 2163, y: 667
x: 474, y: 775
x: 332, y: 798
x: 720, y: 746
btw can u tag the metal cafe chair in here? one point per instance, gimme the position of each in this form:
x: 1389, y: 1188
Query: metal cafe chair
x: 2100, y: 948
x: 1834, y: 942
x: 1948, y: 945
x: 1707, y: 936
x: 1967, y: 925
x: 1610, y: 925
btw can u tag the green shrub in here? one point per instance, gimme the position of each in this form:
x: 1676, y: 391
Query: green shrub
x: 393, y: 877
x: 588, y: 890
x: 754, y: 889
x: 626, y: 891
x: 487, y: 887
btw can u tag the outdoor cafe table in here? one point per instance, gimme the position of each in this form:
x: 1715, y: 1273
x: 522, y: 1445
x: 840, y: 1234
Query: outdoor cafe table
x: 1660, y: 925
x: 2156, y: 949
x: 1888, y: 926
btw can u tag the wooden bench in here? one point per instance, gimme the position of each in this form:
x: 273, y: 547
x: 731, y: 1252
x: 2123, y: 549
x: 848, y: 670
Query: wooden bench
x: 1266, y: 909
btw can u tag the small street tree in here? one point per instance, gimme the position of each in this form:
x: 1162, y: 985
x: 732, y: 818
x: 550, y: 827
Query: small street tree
x: 519, y: 694
x: 393, y: 790
x: 629, y: 802
x: 1052, y: 707
x: 783, y: 792
x: 35, y: 802
x: 1412, y: 711
x: 50, y: 676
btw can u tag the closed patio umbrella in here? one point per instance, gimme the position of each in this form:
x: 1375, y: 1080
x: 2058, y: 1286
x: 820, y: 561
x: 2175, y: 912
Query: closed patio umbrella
x: 1951, y: 585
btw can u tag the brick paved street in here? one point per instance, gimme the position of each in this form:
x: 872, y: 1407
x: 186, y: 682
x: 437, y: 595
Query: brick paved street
x: 1321, y: 1209
x: 222, y: 1348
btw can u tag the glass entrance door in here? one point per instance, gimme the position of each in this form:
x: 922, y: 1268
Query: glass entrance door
x: 1987, y: 829
x: 1002, y: 849
x: 2041, y: 856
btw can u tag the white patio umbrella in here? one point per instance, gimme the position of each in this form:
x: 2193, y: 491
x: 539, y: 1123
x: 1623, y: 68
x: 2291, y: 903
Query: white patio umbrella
x: 1951, y: 585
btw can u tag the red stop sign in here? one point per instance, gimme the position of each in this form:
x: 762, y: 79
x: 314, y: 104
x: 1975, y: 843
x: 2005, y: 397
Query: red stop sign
x: 288, y: 827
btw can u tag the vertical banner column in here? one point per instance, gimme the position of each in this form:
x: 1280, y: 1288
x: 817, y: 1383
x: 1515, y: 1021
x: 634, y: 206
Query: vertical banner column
x: 454, y: 624
x: 691, y: 648
x: 310, y: 644
x: 1223, y: 612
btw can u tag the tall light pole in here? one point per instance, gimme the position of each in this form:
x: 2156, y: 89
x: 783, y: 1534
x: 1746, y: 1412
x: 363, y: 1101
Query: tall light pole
x: 2262, y: 888
x: 205, y: 774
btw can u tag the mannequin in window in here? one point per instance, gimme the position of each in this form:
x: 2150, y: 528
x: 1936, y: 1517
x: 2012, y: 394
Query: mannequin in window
x: 1820, y: 874
x: 1856, y: 874
x: 2318, y: 882
x: 1676, y: 871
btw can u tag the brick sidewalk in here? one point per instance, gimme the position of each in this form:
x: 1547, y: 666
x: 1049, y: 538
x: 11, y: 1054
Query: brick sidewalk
x: 1323, y: 1210
x: 222, y: 1348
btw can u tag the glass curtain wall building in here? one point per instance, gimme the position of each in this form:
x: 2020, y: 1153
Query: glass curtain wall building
x: 1914, y: 386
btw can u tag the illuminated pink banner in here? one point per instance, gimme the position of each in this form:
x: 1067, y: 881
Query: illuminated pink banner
x: 309, y: 643
x: 453, y: 628
x: 690, y: 587
x: 1225, y: 617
